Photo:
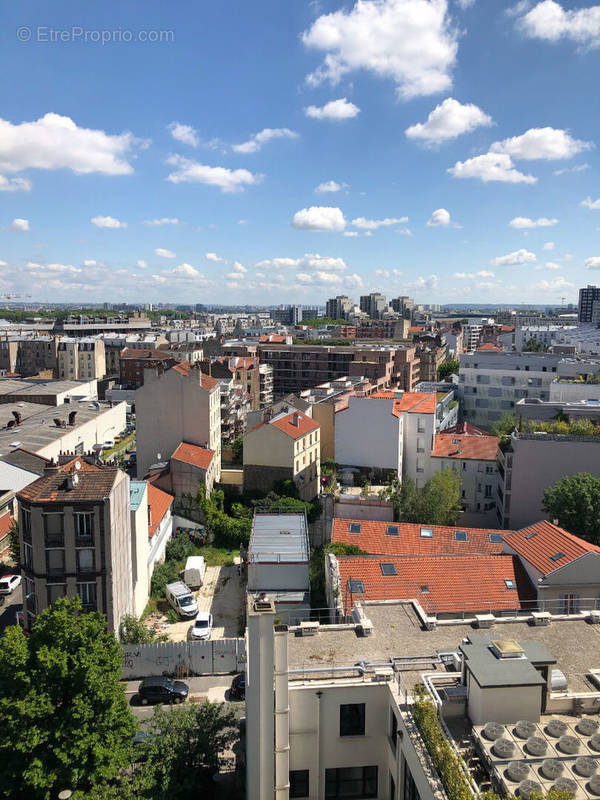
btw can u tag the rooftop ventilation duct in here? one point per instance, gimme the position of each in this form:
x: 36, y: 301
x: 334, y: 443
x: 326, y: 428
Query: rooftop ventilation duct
x: 569, y: 744
x: 556, y: 727
x: 528, y: 787
x: 552, y: 768
x: 594, y: 784
x: 518, y: 771
x: 587, y: 726
x: 585, y: 766
x: 536, y: 746
x: 17, y: 416
x: 493, y: 731
x: 524, y: 728
x: 503, y: 748
x: 566, y: 785
x: 72, y: 415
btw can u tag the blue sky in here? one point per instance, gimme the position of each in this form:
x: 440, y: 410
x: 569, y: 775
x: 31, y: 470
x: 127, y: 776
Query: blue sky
x: 288, y: 152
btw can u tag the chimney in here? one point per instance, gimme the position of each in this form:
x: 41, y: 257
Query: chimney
x: 51, y: 468
x: 296, y: 419
x: 72, y: 415
x: 17, y: 416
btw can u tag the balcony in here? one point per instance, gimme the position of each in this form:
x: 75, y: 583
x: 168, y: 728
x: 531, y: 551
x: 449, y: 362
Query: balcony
x: 54, y: 540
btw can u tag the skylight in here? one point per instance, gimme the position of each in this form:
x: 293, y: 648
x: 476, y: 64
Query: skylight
x: 460, y: 536
x: 557, y: 556
x: 424, y: 588
x: 495, y: 538
x: 427, y: 533
x: 388, y: 568
x: 392, y: 530
x: 531, y: 535
x: 355, y: 527
x: 510, y: 584
x: 356, y: 587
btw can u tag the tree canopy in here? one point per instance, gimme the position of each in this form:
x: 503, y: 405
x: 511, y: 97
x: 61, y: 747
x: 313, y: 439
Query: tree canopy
x: 448, y: 368
x: 65, y: 719
x: 437, y: 503
x: 504, y: 426
x: 575, y: 502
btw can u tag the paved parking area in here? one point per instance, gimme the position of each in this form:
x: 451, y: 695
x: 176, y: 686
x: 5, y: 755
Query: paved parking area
x: 12, y: 603
x: 222, y: 594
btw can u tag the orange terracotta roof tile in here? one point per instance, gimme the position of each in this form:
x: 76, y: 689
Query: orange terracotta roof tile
x: 93, y: 484
x: 6, y: 522
x: 451, y: 445
x: 489, y: 346
x: 304, y: 424
x: 439, y: 583
x: 206, y: 381
x: 193, y: 454
x: 374, y: 538
x: 130, y: 352
x: 539, y: 544
x: 507, y: 328
x: 159, y: 503
x: 410, y: 402
x: 272, y: 338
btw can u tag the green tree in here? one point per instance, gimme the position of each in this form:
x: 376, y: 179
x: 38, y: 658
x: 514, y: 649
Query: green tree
x: 180, y: 546
x: 133, y: 631
x: 237, y: 447
x: 437, y: 503
x: 65, y: 719
x: 448, y: 368
x: 504, y: 426
x: 533, y: 346
x: 14, y: 544
x: 575, y: 502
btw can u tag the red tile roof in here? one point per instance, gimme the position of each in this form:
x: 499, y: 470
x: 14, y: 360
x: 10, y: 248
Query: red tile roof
x: 416, y: 328
x: 439, y: 583
x: 159, y: 503
x: 206, y: 381
x: 6, y: 522
x: 373, y: 538
x: 286, y: 424
x: 479, y: 448
x: 410, y: 402
x: 272, y: 338
x: 467, y: 428
x: 93, y: 484
x: 538, y: 543
x: 489, y: 346
x: 130, y: 352
x: 507, y: 328
x: 193, y: 454
x: 238, y: 362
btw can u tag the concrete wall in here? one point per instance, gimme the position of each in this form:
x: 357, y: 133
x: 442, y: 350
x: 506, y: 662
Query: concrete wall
x: 139, y: 555
x: 158, y: 543
x: 119, y: 600
x: 418, y: 430
x: 573, y: 392
x: 353, y: 507
x: 81, y: 438
x: 215, y: 656
x: 278, y: 577
x: 186, y: 478
x: 540, y: 461
x: 325, y: 415
x: 367, y: 434
x: 505, y: 704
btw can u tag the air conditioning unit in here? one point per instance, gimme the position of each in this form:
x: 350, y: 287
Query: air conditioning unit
x: 541, y: 617
x: 309, y: 628
x: 485, y: 620
x: 594, y: 616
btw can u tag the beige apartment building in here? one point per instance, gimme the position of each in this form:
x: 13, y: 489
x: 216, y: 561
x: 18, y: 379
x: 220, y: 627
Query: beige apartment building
x: 81, y: 359
x: 76, y: 539
x: 285, y: 446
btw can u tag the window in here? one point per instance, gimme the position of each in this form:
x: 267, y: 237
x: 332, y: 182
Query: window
x: 87, y: 593
x: 55, y: 562
x: 510, y: 584
x: 488, y: 490
x: 557, y: 556
x: 27, y: 556
x: 355, y: 527
x: 84, y: 525
x: 352, y: 719
x: 351, y: 782
x: 391, y: 530
x: 460, y: 536
x: 393, y: 729
x: 299, y: 783
x: 531, y: 535
x: 387, y: 568
x: 55, y: 590
x: 53, y: 528
x: 427, y: 533
x: 25, y: 521
x: 85, y: 560
x: 356, y: 587
x: 495, y: 538
x: 570, y: 603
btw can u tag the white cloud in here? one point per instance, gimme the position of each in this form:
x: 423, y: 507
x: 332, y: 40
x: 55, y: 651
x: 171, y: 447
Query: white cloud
x: 228, y: 180
x: 526, y: 222
x: 351, y: 233
x: 548, y: 246
x: 107, y: 222
x: 14, y: 184
x: 160, y: 251
x: 449, y: 120
x: 593, y: 262
x: 162, y: 221
x: 141, y: 264
x: 89, y: 262
x: 541, y: 143
x: 552, y: 286
x: 214, y: 257
x: 521, y: 256
x: 463, y: 275
x: 184, y: 133
x: 552, y: 265
x: 388, y: 273
x: 334, y: 110
x: 485, y: 273
x: 464, y: 4
x: 374, y: 224
x: 20, y: 225
x: 490, y: 167
x: 404, y: 231
x: 594, y: 205
x: 56, y: 142
x: 548, y: 20
x: 319, y: 218
x: 566, y: 170
x: 413, y: 42
x: 431, y: 282
x: 439, y: 218
x: 239, y: 268
x: 256, y: 142
x: 308, y: 262
x: 329, y: 186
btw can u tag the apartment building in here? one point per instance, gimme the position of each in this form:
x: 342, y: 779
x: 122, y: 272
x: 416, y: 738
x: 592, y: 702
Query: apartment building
x: 403, y: 305
x: 80, y: 359
x: 284, y: 446
x: 115, y: 343
x: 179, y: 405
x: 235, y: 406
x: 298, y: 367
x: 588, y: 309
x: 133, y: 362
x: 431, y: 357
x: 339, y: 307
x: 138, y: 509
x: 387, y: 366
x: 76, y: 539
x: 373, y: 305
x: 532, y: 463
x: 245, y: 373
x: 265, y: 385
x: 382, y: 329
x: 491, y: 382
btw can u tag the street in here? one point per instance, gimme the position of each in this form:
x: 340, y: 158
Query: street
x: 13, y: 603
x: 210, y: 687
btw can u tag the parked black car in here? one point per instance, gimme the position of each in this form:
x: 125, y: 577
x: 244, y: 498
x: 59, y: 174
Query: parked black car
x: 162, y: 690
x: 238, y: 687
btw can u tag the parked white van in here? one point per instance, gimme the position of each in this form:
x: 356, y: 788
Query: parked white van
x: 180, y: 597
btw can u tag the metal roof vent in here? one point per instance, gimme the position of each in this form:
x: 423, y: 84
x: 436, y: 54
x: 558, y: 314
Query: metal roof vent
x: 556, y: 727
x: 536, y: 746
x: 587, y: 726
x: 528, y: 787
x: 285, y: 533
x: 594, y: 784
x: 566, y: 785
x: 493, y: 731
x: 552, y: 768
x: 518, y: 771
x: 595, y: 741
x: 585, y: 766
x: 569, y: 744
x: 507, y: 648
x: 524, y: 728
x: 503, y: 748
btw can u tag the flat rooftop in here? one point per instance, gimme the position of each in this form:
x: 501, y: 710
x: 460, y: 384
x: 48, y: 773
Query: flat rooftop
x: 277, y: 538
x: 37, y: 428
x: 12, y: 386
x: 398, y: 633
